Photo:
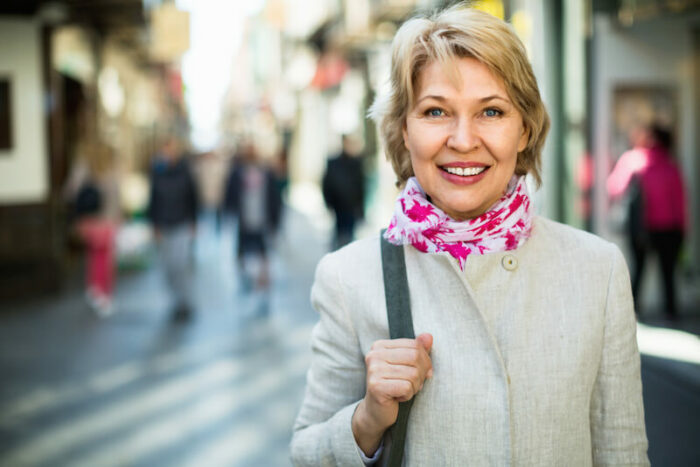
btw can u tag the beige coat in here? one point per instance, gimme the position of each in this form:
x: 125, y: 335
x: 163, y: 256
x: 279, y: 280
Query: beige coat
x: 535, y: 356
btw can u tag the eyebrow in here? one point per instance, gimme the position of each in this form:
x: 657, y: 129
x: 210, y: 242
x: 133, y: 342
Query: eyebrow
x: 481, y: 100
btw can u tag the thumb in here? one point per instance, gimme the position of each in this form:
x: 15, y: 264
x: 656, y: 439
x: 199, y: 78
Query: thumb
x: 426, y: 340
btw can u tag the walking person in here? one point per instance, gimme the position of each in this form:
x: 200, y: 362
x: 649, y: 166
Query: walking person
x: 93, y: 188
x: 517, y: 360
x: 343, y: 187
x: 656, y: 219
x: 253, y: 196
x: 172, y: 211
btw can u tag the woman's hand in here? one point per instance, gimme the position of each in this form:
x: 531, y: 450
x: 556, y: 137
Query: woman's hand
x: 396, y: 370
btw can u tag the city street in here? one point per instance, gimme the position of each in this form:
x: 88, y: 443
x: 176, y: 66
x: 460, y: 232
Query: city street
x: 136, y: 389
x: 139, y: 389
x: 127, y: 125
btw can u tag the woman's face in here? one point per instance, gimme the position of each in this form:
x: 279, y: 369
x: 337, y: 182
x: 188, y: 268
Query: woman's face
x: 463, y: 140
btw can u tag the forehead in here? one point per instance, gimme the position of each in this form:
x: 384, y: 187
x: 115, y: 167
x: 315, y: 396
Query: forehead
x: 465, y: 75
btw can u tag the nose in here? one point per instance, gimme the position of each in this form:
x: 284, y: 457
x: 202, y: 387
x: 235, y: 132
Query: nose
x: 464, y: 136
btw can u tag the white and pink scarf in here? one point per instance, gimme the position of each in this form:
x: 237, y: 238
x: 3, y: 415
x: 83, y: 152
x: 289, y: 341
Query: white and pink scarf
x: 418, y: 222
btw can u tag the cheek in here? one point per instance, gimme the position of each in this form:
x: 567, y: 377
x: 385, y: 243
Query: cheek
x: 422, y: 141
x: 506, y: 144
x: 417, y: 165
x: 410, y: 142
x: 420, y: 165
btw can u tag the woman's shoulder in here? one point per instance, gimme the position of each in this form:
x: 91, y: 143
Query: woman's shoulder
x: 359, y: 258
x: 351, y: 275
x: 574, y: 254
x: 557, y: 236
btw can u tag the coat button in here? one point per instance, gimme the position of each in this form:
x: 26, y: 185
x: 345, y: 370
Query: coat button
x: 509, y: 262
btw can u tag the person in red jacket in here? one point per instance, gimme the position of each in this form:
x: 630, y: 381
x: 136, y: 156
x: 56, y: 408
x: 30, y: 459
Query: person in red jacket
x: 657, y: 217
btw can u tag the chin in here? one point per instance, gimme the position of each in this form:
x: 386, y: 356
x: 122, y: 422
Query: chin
x: 463, y: 212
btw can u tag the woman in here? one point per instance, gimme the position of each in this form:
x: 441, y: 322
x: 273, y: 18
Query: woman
x: 656, y: 208
x: 526, y: 351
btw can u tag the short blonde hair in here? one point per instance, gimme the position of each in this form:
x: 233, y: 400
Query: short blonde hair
x: 455, y: 33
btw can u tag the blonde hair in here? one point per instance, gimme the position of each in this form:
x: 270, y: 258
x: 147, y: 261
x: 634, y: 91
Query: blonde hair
x: 443, y: 37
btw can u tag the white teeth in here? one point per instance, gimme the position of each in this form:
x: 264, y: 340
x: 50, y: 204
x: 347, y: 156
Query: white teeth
x: 465, y: 171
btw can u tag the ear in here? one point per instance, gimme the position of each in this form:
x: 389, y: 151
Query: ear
x: 524, y: 138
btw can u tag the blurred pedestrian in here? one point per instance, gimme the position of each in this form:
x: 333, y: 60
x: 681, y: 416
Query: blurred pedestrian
x: 525, y: 350
x: 172, y: 211
x: 93, y: 189
x: 344, y: 191
x: 253, y: 196
x: 650, y: 180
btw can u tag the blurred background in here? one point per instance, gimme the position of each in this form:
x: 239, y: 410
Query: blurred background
x: 148, y: 318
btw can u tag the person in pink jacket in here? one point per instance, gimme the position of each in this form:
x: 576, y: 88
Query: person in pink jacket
x: 657, y: 215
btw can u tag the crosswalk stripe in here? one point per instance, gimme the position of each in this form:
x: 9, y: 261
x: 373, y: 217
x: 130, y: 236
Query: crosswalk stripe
x: 178, y: 427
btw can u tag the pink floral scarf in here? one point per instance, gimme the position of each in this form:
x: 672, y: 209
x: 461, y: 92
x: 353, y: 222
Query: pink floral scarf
x: 418, y: 222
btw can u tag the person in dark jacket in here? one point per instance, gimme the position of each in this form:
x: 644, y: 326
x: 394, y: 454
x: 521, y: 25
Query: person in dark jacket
x: 344, y: 193
x: 253, y: 196
x: 173, y: 211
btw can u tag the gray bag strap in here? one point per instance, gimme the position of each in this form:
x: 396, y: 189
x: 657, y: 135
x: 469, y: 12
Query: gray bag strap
x: 398, y: 308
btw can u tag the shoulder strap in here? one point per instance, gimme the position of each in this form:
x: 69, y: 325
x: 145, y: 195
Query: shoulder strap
x: 398, y: 307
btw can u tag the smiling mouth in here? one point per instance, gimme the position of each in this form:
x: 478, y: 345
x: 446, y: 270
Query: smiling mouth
x: 464, y: 171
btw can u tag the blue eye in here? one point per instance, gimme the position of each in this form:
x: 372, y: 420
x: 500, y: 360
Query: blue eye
x: 434, y: 112
x: 492, y: 112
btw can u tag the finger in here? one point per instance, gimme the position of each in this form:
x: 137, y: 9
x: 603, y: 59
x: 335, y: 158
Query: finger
x: 395, y: 344
x: 377, y: 361
x: 426, y: 340
x: 385, y: 370
x: 397, y: 389
x: 400, y: 356
x: 415, y: 374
